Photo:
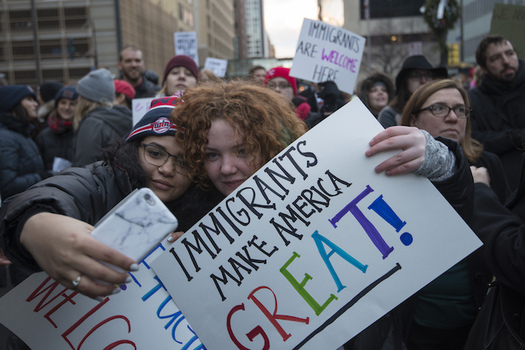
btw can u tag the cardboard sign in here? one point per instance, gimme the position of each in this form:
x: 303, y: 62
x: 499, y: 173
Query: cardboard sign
x: 509, y: 21
x: 314, y: 247
x: 46, y: 315
x: 139, y: 107
x: 186, y: 44
x: 325, y: 52
x: 217, y: 66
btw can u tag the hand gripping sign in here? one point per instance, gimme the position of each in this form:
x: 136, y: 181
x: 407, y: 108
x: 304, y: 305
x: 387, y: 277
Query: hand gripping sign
x: 314, y: 247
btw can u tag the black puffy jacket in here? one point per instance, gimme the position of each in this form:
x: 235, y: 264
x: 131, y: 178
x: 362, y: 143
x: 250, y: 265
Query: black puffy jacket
x: 20, y: 163
x: 98, y: 130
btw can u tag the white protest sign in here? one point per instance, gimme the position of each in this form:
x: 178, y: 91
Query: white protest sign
x: 217, y: 66
x: 325, y: 52
x: 314, y: 247
x: 139, y: 107
x: 186, y: 44
x: 46, y: 315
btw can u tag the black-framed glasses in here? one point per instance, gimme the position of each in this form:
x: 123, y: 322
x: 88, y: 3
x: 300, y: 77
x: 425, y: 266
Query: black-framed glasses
x: 281, y: 86
x: 441, y: 110
x: 157, y: 156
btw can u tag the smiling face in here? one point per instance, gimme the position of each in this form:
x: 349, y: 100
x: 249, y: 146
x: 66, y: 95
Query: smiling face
x: 377, y: 98
x: 258, y: 76
x: 164, y: 181
x: 132, y: 65
x: 227, y: 163
x: 502, y: 62
x: 31, y: 106
x: 450, y: 126
x: 66, y: 109
x: 179, y: 78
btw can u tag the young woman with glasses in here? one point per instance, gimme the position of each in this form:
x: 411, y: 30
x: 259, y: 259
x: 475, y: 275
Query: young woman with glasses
x: 48, y: 226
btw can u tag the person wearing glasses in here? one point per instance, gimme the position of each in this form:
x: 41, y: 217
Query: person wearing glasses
x: 48, y: 226
x: 312, y: 108
x: 443, y: 312
x: 415, y: 72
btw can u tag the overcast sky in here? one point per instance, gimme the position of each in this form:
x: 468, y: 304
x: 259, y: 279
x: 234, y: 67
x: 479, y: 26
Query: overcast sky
x: 283, y: 19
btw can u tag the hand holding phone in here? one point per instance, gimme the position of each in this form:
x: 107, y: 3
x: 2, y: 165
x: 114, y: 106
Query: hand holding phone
x: 136, y: 225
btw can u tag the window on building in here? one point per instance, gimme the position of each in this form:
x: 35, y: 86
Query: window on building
x: 25, y: 76
x: 77, y: 73
x: 20, y: 20
x: 53, y: 74
x: 50, y: 49
x: 48, y: 19
x: 75, y: 17
x: 23, y: 50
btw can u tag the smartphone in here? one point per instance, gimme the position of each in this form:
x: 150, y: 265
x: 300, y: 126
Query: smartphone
x: 136, y: 225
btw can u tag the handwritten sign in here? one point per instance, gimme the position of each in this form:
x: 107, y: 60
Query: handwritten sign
x: 314, y: 247
x: 325, y: 52
x: 139, y: 107
x: 217, y: 66
x: 186, y: 44
x: 509, y: 20
x: 143, y: 316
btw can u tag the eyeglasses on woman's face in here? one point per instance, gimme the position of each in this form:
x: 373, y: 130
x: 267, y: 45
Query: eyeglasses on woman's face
x: 157, y: 156
x: 272, y: 85
x: 440, y: 110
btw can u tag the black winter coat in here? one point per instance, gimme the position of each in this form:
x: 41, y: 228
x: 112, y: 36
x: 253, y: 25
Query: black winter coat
x: 20, y: 163
x: 98, y: 130
x: 498, y: 120
x: 56, y: 142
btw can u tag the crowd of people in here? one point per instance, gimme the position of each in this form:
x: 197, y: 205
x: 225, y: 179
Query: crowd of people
x: 71, y: 152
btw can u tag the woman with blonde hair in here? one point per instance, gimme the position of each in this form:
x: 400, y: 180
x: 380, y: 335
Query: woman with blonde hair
x: 97, y: 122
x: 181, y: 73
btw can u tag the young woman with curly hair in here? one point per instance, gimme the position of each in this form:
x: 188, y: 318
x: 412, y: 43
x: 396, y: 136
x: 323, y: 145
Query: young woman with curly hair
x: 231, y: 130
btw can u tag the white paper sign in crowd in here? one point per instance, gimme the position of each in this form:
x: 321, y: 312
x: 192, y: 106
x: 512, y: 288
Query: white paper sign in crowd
x: 325, y: 52
x: 139, y: 107
x: 186, y: 44
x: 314, y: 247
x: 47, y: 315
x: 217, y: 65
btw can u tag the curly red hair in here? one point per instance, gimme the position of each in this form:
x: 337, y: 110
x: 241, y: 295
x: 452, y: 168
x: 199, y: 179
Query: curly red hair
x: 267, y: 122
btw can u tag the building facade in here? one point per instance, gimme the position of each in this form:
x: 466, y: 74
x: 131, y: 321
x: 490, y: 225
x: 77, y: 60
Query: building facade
x: 64, y: 39
x: 256, y: 38
x: 393, y: 30
x: 215, y: 29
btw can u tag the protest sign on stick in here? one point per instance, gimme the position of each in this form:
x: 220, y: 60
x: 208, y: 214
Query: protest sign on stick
x: 186, y: 44
x: 46, y: 315
x: 217, y: 66
x: 325, y: 52
x: 314, y: 247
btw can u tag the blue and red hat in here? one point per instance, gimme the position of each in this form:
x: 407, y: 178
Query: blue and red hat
x: 157, y: 121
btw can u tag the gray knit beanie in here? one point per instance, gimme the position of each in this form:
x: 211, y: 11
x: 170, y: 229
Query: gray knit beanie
x: 97, y: 86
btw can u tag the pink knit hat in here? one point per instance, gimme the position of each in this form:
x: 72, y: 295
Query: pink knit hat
x: 283, y: 73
